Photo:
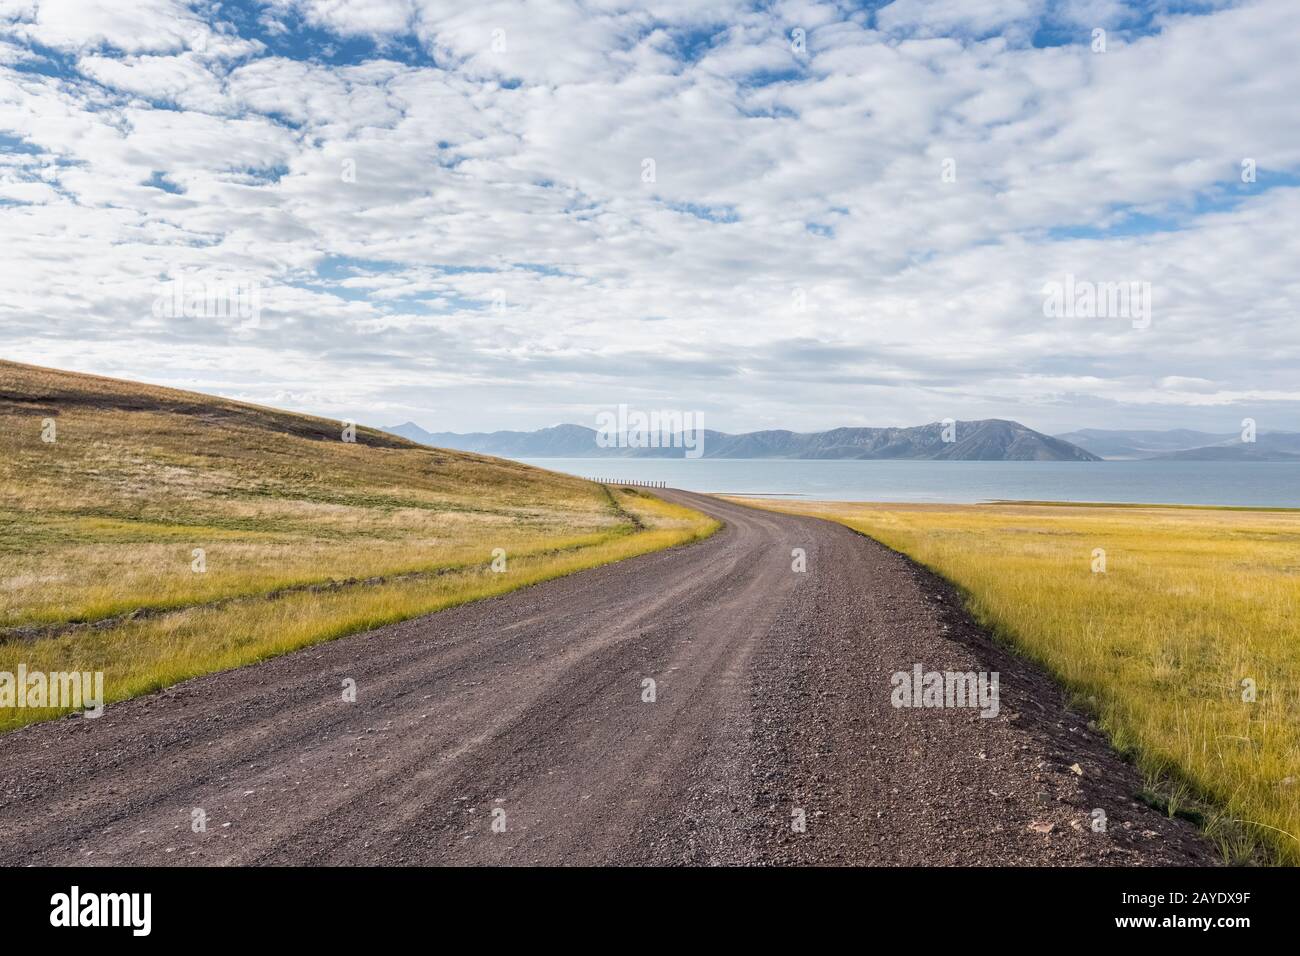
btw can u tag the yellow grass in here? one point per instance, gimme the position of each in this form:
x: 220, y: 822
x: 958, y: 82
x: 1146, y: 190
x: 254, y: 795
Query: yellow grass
x: 304, y: 536
x: 1192, y: 602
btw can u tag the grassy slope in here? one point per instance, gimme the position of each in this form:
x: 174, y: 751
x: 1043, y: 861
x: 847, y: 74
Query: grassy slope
x: 101, y: 525
x: 1192, y: 602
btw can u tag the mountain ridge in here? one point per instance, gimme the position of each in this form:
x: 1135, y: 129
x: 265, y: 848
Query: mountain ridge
x: 1181, y: 444
x: 983, y: 440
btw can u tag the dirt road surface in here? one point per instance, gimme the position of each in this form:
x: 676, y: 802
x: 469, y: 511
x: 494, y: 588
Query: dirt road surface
x: 517, y: 731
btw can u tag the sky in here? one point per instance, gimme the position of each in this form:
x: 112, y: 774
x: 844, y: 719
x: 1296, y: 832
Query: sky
x: 792, y: 214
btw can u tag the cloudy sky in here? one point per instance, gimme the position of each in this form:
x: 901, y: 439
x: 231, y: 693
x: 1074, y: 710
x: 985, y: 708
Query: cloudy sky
x: 779, y: 214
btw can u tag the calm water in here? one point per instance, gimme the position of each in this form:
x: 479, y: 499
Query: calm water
x: 1267, y: 484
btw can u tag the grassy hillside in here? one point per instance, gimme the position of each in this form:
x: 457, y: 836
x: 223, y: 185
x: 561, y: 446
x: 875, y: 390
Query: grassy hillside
x: 163, y: 534
x: 1192, y: 602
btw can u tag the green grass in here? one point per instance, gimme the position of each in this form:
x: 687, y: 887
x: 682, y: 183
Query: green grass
x: 305, y: 537
x: 1192, y: 602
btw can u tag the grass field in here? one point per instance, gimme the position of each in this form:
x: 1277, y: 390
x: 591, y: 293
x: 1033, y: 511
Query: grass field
x: 1192, y: 602
x: 162, y: 534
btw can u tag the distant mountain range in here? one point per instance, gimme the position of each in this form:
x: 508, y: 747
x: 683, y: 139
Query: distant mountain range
x: 1185, y: 445
x: 988, y: 440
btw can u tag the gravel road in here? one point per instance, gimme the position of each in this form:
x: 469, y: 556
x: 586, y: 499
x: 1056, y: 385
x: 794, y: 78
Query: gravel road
x: 516, y: 731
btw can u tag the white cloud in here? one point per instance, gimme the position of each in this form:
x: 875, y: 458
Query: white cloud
x: 373, y: 17
x: 138, y: 26
x: 941, y: 17
x: 385, y: 205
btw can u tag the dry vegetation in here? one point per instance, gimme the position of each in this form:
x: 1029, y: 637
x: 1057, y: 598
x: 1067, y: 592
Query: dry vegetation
x: 304, y: 536
x: 1193, y: 602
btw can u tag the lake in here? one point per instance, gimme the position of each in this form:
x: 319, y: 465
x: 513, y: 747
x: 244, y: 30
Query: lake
x: 1259, y: 484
